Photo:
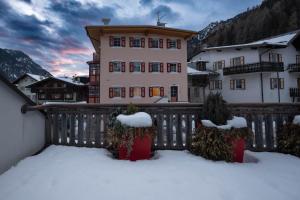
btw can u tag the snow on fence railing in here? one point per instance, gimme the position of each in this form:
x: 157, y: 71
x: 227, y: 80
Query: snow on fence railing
x: 86, y: 124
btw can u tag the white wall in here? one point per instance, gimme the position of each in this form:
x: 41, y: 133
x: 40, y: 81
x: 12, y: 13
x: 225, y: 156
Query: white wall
x: 21, y: 135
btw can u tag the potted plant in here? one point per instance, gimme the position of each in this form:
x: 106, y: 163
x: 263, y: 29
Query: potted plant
x: 131, y: 134
x: 218, y: 138
x: 289, y: 138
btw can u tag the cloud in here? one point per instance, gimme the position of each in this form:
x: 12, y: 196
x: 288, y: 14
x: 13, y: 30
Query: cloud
x: 166, y: 12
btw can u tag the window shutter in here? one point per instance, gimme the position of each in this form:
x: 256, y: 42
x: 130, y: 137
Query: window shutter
x: 243, y: 84
x: 168, y: 43
x: 281, y: 83
x: 179, y: 67
x: 214, y: 66
x: 123, y: 92
x: 131, y: 66
x: 143, y: 67
x: 123, y: 41
x: 271, y: 84
x: 150, y: 92
x: 150, y: 67
x: 243, y: 60
x: 161, y: 67
x: 231, y: 62
x: 131, y: 91
x: 223, y: 64
x: 143, y: 42
x: 149, y: 43
x: 232, y: 84
x: 178, y: 44
x: 111, y: 94
x: 123, y: 67
x: 111, y: 41
x: 280, y: 58
x: 131, y: 42
x: 111, y: 68
x: 143, y: 91
x: 162, y: 91
x: 168, y: 67
x: 161, y: 43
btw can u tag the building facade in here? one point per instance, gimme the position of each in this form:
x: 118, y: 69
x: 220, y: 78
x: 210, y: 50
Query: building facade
x: 266, y: 71
x: 138, y: 64
x: 59, y: 89
x: 27, y: 79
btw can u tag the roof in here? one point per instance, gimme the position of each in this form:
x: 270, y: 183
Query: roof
x: 33, y: 76
x: 277, y: 41
x: 94, y: 31
x: 14, y: 88
x: 192, y: 71
x: 63, y: 79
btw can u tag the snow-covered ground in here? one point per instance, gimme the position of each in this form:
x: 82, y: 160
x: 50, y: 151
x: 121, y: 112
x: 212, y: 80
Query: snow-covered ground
x: 81, y: 173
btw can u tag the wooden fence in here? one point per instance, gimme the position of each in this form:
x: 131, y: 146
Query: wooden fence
x: 86, y: 124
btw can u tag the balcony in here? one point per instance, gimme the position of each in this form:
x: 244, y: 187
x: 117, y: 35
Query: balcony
x: 254, y: 67
x: 294, y: 93
x: 294, y: 67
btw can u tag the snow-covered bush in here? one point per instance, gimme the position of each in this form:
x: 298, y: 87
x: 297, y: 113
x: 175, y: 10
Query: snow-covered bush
x: 289, y: 138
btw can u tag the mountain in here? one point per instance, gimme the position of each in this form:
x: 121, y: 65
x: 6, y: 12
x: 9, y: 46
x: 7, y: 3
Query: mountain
x: 272, y: 17
x: 14, y: 63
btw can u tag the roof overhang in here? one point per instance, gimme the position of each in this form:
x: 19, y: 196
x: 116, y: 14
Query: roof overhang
x: 94, y: 32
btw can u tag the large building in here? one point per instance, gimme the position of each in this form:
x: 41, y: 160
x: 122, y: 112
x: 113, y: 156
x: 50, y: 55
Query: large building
x: 265, y: 71
x: 138, y: 64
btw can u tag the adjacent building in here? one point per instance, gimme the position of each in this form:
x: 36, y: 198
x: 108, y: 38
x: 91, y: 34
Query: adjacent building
x: 138, y: 64
x: 27, y: 79
x: 265, y: 71
x: 59, y: 89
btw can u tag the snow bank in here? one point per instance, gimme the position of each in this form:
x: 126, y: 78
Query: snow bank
x: 72, y: 173
x: 236, y: 122
x: 139, y: 119
x: 296, y: 120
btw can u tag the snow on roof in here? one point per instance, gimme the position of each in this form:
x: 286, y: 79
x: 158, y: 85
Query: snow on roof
x: 36, y: 77
x: 69, y: 80
x: 280, y: 40
x: 192, y: 71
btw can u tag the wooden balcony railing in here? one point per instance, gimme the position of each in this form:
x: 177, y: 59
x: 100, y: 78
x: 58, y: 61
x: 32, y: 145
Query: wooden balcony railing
x: 86, y: 124
x: 294, y: 67
x: 294, y: 93
x: 254, y: 67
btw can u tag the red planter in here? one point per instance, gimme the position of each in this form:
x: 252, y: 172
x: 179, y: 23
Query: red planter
x: 141, y: 149
x: 238, y: 146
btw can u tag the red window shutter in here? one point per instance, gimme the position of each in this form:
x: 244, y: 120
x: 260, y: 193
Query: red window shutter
x: 123, y: 67
x: 168, y: 67
x: 149, y: 43
x: 161, y: 43
x: 150, y: 67
x: 143, y: 91
x: 131, y: 91
x: 143, y: 67
x: 111, y: 41
x: 111, y: 94
x: 131, y: 66
x: 130, y: 41
x: 123, y: 92
x: 123, y: 41
x: 168, y: 43
x: 178, y: 44
x: 143, y: 42
x: 111, y: 69
x: 150, y: 92
x: 162, y: 92
x: 179, y: 67
x: 161, y: 67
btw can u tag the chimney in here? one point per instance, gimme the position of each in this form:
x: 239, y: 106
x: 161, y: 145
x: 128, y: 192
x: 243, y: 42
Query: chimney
x: 105, y: 21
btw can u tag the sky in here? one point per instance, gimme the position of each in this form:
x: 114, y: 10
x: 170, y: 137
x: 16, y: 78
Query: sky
x: 52, y: 32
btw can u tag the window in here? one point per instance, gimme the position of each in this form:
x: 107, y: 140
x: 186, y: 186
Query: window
x: 56, y: 96
x: 298, y: 59
x: 196, y: 92
x: 137, y: 42
x: 215, y: 85
x: 137, y: 92
x: 218, y: 65
x: 155, y: 67
x: 135, y: 66
x: 173, y: 44
x: 275, y: 83
x: 116, y: 41
x: 154, y: 43
x: 156, y: 91
x: 116, y: 66
x: 275, y: 57
x: 115, y: 92
x: 69, y: 96
x: 174, y: 67
x: 238, y: 61
x: 238, y: 84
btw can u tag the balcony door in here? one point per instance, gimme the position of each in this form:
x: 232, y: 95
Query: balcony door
x: 174, y: 93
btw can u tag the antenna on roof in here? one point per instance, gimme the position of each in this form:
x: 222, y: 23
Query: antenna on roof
x: 159, y: 17
x: 105, y: 21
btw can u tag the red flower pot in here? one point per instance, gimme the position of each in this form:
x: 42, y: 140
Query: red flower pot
x: 238, y: 146
x: 141, y: 149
